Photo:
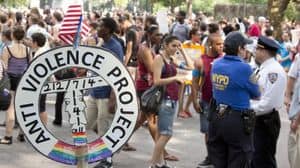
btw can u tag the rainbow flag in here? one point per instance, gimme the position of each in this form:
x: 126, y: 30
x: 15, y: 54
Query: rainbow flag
x: 99, y: 151
x: 79, y: 138
x: 64, y: 153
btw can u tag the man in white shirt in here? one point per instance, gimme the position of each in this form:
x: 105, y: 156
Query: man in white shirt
x: 38, y: 45
x: 36, y: 28
x: 292, y: 101
x: 272, y: 81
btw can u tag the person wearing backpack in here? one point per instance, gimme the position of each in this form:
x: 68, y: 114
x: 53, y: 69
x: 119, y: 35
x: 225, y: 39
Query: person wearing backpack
x: 16, y: 58
x: 180, y: 29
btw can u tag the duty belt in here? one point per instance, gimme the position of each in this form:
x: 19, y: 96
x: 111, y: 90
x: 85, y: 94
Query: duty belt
x: 223, y: 109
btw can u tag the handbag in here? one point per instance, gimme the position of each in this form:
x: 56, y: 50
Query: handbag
x: 4, y: 91
x: 151, y: 99
x: 4, y: 100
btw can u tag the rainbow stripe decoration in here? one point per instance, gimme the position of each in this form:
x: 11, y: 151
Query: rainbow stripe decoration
x: 65, y: 153
x: 79, y: 138
x: 99, y: 151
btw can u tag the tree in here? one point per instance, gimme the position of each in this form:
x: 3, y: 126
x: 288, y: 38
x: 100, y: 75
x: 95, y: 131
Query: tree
x: 276, y: 10
x: 171, y: 3
x: 189, y: 7
x: 13, y: 3
x: 249, y: 1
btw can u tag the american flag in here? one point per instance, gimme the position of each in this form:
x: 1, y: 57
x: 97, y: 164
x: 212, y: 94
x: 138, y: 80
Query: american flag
x: 72, y: 25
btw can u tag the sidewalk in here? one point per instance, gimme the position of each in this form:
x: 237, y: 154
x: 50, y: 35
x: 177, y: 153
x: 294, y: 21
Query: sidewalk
x: 187, y: 143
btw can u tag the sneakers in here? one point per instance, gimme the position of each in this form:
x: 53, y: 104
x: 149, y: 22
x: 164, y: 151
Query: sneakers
x: 104, y: 164
x: 205, y: 163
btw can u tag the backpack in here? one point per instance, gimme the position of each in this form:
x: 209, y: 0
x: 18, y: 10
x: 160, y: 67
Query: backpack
x: 151, y: 99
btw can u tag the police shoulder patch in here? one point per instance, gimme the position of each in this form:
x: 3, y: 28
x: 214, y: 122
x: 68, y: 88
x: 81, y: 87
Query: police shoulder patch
x: 272, y: 77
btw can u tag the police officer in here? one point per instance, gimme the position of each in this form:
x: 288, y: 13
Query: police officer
x: 230, y: 141
x: 272, y: 81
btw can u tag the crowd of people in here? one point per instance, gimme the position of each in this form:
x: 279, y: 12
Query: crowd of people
x: 241, y: 61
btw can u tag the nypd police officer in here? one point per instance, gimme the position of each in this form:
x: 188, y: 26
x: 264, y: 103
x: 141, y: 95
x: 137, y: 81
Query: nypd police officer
x: 230, y: 140
x: 272, y: 81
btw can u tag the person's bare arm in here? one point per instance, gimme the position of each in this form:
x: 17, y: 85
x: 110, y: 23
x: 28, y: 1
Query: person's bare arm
x: 289, y: 91
x: 128, y: 52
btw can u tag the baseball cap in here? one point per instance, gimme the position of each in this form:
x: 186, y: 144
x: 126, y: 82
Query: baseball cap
x: 235, y: 39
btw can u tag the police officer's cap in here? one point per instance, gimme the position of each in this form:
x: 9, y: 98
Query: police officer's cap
x: 267, y: 43
x: 235, y: 39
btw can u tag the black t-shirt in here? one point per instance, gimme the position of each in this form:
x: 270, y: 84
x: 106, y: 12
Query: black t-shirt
x: 132, y: 36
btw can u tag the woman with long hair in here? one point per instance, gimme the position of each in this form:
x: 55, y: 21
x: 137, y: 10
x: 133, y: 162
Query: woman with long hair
x: 165, y: 74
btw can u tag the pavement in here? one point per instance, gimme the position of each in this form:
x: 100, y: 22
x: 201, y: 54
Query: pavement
x: 187, y: 143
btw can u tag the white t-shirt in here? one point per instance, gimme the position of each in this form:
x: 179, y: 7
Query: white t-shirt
x: 294, y: 72
x: 295, y: 68
x: 37, y: 29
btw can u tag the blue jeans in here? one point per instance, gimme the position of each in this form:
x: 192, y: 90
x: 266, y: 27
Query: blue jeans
x: 166, y: 117
x: 204, y: 117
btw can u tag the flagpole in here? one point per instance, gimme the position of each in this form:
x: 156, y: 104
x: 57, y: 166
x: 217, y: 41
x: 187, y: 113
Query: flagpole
x: 77, y: 36
x: 81, y: 148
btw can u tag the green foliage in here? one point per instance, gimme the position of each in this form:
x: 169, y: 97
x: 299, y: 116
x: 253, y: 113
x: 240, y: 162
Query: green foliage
x: 249, y: 1
x: 205, y: 6
x: 291, y: 12
x: 158, y: 6
x: 121, y: 3
x: 14, y: 3
x: 171, y: 2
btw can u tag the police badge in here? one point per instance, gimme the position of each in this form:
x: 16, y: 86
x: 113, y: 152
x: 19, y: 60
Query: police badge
x: 272, y: 77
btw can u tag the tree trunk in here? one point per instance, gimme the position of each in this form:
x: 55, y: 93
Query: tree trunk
x: 276, y: 10
x: 172, y: 5
x: 189, y: 8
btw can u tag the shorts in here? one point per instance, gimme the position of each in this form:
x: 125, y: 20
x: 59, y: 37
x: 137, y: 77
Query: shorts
x: 204, y: 117
x: 14, y: 81
x: 166, y: 116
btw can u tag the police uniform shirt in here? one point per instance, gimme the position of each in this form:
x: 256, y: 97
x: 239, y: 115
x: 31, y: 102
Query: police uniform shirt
x: 272, y: 81
x: 232, y: 84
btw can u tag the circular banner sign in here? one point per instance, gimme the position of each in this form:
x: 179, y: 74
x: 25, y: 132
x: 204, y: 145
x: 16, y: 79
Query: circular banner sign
x: 109, y: 70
